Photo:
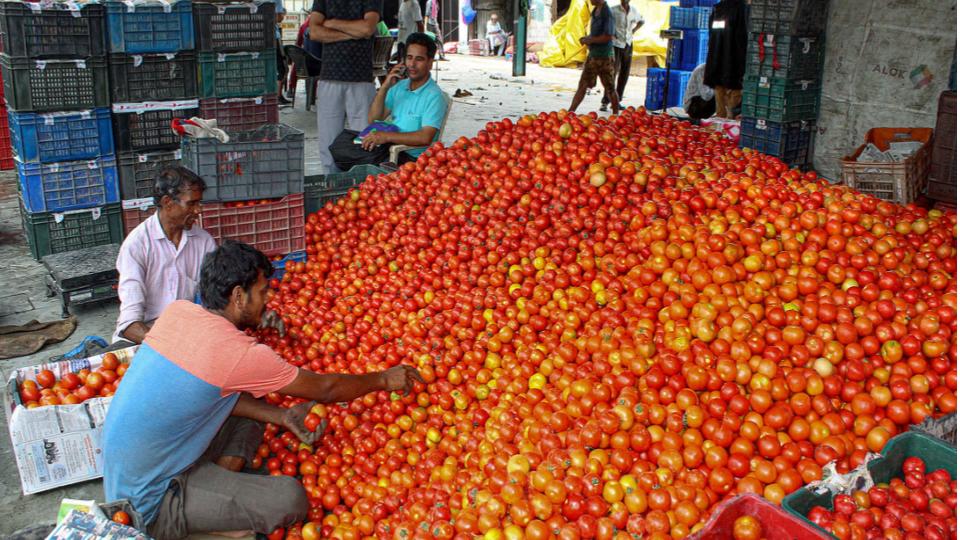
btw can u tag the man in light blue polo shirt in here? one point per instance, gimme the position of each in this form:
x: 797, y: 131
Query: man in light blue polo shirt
x: 409, y: 109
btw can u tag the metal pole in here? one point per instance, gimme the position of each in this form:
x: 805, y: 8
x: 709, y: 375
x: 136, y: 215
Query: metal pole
x: 520, y: 38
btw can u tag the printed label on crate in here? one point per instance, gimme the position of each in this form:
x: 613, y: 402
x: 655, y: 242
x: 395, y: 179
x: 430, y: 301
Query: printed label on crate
x: 42, y: 64
x: 252, y: 6
x: 147, y: 106
x: 72, y: 6
x: 58, y: 216
x: 137, y: 204
x: 50, y: 118
x: 133, y: 4
x: 138, y: 58
x: 222, y: 57
x: 257, y: 100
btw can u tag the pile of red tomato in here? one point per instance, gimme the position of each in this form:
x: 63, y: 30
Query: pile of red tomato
x: 73, y: 388
x: 920, y: 506
x: 621, y: 322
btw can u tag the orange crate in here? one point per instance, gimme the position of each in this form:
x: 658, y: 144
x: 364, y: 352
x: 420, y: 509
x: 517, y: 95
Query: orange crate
x: 899, y: 182
x: 275, y: 227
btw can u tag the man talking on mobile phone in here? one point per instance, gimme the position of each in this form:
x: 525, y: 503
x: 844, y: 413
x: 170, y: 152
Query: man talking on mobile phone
x: 408, y: 109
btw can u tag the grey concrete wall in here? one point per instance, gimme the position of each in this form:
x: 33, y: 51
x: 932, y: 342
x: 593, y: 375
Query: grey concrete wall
x: 886, y: 63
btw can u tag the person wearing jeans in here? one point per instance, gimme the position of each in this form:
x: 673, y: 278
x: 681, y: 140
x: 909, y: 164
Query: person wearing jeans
x: 626, y: 21
x: 346, y: 29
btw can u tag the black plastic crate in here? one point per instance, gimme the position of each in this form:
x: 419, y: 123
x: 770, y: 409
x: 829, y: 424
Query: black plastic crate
x: 792, y: 142
x: 138, y: 172
x: 52, y: 30
x: 153, y: 77
x: 780, y: 100
x: 262, y: 164
x: 793, y: 57
x: 49, y: 233
x: 144, y: 127
x: 788, y: 17
x: 55, y: 85
x: 241, y: 114
x: 235, y: 27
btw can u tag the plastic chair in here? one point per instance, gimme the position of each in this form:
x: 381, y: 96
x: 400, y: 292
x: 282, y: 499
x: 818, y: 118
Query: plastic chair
x: 299, y: 58
x: 382, y: 47
x: 397, y: 148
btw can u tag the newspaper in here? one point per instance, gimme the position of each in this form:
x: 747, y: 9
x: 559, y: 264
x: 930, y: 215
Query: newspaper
x: 81, y: 526
x: 58, y: 445
x: 899, y: 151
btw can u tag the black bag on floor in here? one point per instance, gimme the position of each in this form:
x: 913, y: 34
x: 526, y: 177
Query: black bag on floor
x: 347, y: 153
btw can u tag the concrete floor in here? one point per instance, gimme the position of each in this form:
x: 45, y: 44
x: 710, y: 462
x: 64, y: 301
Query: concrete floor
x: 496, y: 95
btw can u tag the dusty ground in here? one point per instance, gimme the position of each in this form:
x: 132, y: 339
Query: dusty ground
x: 496, y: 94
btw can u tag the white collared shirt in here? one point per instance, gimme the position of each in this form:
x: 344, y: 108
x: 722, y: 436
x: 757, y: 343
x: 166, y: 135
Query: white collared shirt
x: 623, y: 23
x: 154, y: 272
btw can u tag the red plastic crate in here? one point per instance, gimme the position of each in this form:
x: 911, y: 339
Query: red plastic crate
x: 135, y: 212
x: 241, y: 114
x: 776, y: 523
x: 275, y: 228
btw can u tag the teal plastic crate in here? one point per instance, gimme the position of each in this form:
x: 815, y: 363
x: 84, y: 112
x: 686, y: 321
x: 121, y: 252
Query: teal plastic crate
x: 780, y: 100
x: 236, y: 75
x: 935, y: 453
x: 322, y: 188
x: 50, y: 232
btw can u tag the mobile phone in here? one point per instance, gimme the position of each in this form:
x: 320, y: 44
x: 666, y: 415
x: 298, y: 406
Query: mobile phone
x: 403, y: 72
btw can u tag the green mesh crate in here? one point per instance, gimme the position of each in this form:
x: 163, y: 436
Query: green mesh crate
x: 50, y: 232
x: 780, y: 100
x: 237, y: 75
x: 794, y: 57
x: 321, y: 188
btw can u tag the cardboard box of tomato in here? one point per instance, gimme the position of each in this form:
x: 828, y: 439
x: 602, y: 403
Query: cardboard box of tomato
x: 59, y: 444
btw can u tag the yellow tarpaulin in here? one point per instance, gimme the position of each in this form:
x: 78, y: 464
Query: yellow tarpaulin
x: 563, y: 46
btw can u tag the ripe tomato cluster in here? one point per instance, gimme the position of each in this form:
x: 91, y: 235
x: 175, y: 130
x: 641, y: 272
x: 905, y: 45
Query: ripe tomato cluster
x: 621, y: 323
x: 919, y: 506
x: 73, y: 388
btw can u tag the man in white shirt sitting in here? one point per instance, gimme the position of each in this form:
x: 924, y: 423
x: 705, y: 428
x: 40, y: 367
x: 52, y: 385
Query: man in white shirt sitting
x: 159, y: 261
x: 626, y: 21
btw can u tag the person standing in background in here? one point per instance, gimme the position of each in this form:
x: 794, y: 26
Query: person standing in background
x: 727, y: 55
x: 626, y: 21
x: 409, y: 20
x: 599, y: 57
x: 346, y: 29
x: 496, y: 37
x: 281, y: 12
x: 433, y: 24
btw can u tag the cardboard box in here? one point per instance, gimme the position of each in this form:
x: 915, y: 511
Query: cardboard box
x: 57, y: 445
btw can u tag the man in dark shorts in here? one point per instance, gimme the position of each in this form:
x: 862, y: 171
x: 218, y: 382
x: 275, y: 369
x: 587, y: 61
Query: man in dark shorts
x: 599, y: 57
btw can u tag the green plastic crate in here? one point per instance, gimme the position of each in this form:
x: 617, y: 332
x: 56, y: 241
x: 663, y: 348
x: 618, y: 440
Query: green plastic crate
x: 237, y: 75
x: 780, y: 100
x: 793, y: 57
x: 321, y: 188
x: 934, y: 452
x: 49, y: 232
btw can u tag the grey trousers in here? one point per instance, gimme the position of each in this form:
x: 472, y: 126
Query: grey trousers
x: 207, y: 497
x: 340, y: 105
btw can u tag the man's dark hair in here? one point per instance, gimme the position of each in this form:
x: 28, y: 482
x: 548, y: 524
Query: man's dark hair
x: 232, y: 264
x: 173, y: 181
x: 419, y: 38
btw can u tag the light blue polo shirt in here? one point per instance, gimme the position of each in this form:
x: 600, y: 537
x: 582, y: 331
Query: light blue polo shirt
x: 412, y: 110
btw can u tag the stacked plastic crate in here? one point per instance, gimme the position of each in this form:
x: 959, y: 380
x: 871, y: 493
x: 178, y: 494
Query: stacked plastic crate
x: 6, y: 147
x: 781, y: 86
x: 56, y: 89
x: 255, y: 181
x: 153, y: 69
x: 693, y: 18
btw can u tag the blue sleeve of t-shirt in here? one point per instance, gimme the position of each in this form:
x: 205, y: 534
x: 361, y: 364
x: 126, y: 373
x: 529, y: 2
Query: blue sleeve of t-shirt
x: 391, y: 94
x: 435, y: 111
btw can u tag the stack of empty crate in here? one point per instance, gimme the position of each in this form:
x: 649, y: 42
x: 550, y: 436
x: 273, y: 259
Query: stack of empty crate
x: 255, y: 181
x: 782, y: 83
x: 692, y: 17
x: 153, y: 69
x: 56, y: 89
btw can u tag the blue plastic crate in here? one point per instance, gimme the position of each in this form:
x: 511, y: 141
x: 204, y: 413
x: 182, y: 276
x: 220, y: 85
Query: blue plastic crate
x: 72, y: 185
x: 150, y: 27
x: 280, y: 267
x: 792, y: 142
x: 53, y: 137
x: 698, y: 3
x: 656, y: 78
x: 690, y: 52
x: 690, y: 17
